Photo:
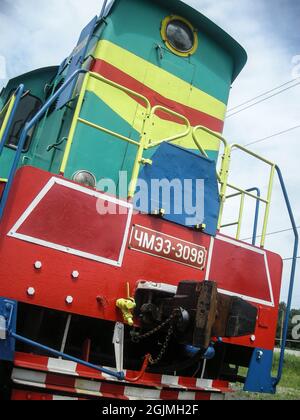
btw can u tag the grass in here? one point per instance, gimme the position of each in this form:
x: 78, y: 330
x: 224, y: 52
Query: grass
x: 289, y: 387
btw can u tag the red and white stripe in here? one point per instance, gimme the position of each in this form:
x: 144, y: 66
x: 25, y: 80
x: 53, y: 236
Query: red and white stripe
x: 65, y: 376
x: 19, y: 395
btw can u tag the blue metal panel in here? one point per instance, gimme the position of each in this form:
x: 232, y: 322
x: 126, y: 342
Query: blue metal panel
x: 62, y: 66
x: 8, y: 310
x: 259, y: 377
x: 76, y: 61
x: 172, y: 163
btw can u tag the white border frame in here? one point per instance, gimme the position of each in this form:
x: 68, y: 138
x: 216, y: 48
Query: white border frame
x: 59, y: 181
x: 249, y: 248
x: 166, y: 258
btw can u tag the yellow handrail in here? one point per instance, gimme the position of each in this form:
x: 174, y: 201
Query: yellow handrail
x: 214, y: 134
x: 77, y: 118
x: 145, y: 142
x: 244, y: 193
x: 8, y: 109
x: 176, y: 136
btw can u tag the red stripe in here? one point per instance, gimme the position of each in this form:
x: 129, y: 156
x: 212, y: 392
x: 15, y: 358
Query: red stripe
x: 31, y: 361
x: 169, y: 395
x: 221, y: 385
x: 195, y: 116
x: 61, y: 380
x: 18, y: 395
x: 190, y: 383
x: 201, y: 396
x: 150, y: 379
x: 40, y: 363
x: 113, y: 390
x: 85, y: 372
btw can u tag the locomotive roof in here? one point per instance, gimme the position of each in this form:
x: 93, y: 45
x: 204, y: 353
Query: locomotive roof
x: 236, y: 51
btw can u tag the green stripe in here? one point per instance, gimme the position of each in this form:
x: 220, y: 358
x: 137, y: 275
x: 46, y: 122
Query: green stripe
x: 131, y: 18
x: 100, y: 153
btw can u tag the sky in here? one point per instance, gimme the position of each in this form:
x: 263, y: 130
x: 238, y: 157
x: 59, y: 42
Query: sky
x: 36, y: 34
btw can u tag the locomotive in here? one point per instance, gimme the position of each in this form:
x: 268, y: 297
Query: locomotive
x: 117, y: 282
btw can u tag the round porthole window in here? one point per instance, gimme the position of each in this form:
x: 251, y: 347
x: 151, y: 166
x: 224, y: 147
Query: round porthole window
x: 179, y: 35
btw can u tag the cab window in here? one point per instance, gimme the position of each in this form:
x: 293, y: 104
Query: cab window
x: 28, y: 107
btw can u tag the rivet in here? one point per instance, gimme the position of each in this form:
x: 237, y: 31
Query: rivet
x: 259, y: 355
x: 69, y: 300
x: 101, y: 300
x: 253, y: 338
x: 75, y: 274
x: 38, y: 265
x: 31, y: 291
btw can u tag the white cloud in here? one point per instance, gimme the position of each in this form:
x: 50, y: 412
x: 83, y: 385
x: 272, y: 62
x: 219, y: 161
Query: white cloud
x: 35, y: 34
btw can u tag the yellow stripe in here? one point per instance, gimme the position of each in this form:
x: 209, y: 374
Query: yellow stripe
x: 74, y: 124
x: 159, y: 80
x: 134, y: 114
x: 7, y: 115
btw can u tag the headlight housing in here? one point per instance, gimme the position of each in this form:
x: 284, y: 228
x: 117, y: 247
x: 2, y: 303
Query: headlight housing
x: 85, y: 178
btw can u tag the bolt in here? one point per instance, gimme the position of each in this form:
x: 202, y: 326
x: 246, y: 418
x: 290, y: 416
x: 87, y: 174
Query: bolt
x: 38, y: 265
x: 260, y: 355
x: 101, y: 301
x: 253, y: 338
x: 31, y: 291
x: 69, y: 300
x: 75, y: 274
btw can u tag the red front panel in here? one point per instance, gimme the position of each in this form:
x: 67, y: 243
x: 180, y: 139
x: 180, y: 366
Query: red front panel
x: 73, y: 225
x: 64, y: 230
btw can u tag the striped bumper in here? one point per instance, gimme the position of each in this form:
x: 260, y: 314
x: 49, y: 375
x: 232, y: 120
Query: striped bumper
x: 69, y: 378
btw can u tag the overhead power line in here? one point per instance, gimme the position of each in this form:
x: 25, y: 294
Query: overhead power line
x: 263, y: 100
x: 276, y: 232
x: 288, y: 130
x: 290, y: 259
x: 261, y: 95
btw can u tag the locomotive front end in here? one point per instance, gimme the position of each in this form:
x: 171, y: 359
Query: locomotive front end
x: 115, y: 276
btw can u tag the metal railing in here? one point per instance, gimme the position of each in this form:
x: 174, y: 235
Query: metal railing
x: 223, y: 178
x: 9, y: 111
x: 242, y: 205
x: 246, y: 192
x: 292, y: 275
x: 145, y: 142
x: 28, y: 126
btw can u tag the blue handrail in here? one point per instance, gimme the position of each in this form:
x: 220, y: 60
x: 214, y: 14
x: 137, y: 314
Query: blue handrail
x: 255, y: 228
x: 18, y: 93
x: 119, y: 375
x: 292, y: 277
x: 28, y: 126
